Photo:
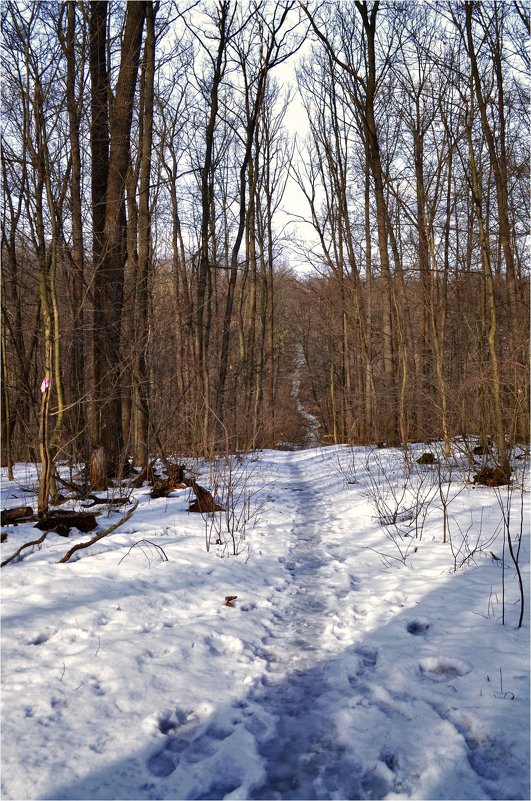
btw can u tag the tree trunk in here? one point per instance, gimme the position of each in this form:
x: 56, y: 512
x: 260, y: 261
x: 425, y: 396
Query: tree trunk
x: 491, y: 304
x: 110, y: 257
x: 76, y: 414
x: 141, y: 336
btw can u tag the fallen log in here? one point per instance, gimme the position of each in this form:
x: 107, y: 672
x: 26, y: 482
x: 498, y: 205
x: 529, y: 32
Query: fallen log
x: 162, y: 487
x: 176, y: 472
x: 18, y: 514
x: 61, y: 521
x: 104, y: 501
x: 204, y: 501
x: 491, y: 477
x: 146, y: 474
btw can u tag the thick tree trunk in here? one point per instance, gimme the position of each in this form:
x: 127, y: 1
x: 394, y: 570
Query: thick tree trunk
x: 110, y: 255
x: 388, y: 402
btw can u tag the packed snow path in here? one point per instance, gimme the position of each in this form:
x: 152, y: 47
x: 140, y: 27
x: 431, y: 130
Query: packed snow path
x: 301, y: 756
x: 333, y: 677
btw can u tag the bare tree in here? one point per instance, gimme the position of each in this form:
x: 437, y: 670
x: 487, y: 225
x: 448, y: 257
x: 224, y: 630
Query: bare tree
x: 110, y: 153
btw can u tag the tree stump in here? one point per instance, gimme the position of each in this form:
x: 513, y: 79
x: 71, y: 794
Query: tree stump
x: 426, y: 458
x: 491, y: 477
x: 204, y: 502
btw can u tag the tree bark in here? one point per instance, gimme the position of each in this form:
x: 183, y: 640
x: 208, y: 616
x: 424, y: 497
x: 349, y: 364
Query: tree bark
x: 110, y: 253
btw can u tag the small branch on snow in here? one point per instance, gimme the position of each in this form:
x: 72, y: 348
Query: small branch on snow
x: 26, y: 545
x: 81, y: 545
x: 158, y: 549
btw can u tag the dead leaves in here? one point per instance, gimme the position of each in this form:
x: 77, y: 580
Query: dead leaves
x: 229, y: 599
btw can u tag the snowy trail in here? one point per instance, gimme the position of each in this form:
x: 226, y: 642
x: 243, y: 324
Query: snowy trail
x: 300, y: 750
x: 333, y: 716
x: 304, y: 758
x: 290, y: 711
x: 332, y: 677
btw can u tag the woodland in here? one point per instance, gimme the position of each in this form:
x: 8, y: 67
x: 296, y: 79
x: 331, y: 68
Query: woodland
x: 159, y: 294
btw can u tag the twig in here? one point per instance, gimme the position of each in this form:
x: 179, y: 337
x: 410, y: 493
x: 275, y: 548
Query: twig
x: 81, y: 545
x: 26, y: 545
x: 160, y: 550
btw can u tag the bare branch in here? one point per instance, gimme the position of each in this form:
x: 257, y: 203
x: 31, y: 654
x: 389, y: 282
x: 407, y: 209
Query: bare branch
x: 82, y: 545
x: 22, y: 547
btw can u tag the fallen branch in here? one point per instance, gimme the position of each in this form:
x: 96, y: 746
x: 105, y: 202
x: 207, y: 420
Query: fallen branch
x: 103, y: 534
x: 26, y: 545
x: 81, y: 491
x: 107, y: 501
x: 20, y: 514
x: 62, y: 520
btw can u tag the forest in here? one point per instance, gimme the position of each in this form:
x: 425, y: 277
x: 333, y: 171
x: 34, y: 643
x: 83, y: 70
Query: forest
x: 265, y: 399
x: 160, y: 295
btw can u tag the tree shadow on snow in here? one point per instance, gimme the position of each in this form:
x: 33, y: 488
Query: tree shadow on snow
x: 368, y: 722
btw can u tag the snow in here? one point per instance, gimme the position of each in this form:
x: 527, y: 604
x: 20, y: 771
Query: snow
x: 355, y: 663
x: 311, y: 424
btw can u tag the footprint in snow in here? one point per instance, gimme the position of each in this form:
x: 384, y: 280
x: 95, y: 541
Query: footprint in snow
x: 418, y: 626
x: 485, y: 757
x: 171, y: 720
x: 176, y: 748
x: 390, y: 759
x: 39, y: 639
x: 367, y: 660
x: 368, y: 656
x: 442, y: 668
x: 485, y: 754
x: 199, y: 750
x: 164, y: 762
x: 218, y: 733
x: 355, y: 583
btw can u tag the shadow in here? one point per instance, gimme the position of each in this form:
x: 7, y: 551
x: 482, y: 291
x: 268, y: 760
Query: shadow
x: 109, y: 585
x: 391, y: 715
x: 407, y: 709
